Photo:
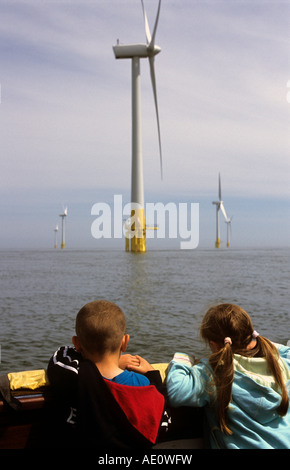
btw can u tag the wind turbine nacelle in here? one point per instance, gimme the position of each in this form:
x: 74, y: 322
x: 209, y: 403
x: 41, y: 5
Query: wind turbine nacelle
x: 127, y: 51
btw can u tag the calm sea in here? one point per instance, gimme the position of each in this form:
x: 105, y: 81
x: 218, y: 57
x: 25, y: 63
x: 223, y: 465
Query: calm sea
x: 164, y: 295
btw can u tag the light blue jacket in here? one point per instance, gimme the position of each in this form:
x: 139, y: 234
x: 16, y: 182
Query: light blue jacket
x: 252, y: 415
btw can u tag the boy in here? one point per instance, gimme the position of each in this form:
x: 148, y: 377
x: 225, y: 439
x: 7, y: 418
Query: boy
x: 105, y: 405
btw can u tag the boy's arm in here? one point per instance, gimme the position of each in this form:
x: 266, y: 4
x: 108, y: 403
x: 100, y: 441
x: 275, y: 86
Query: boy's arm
x: 155, y: 379
x: 135, y: 363
x: 142, y: 366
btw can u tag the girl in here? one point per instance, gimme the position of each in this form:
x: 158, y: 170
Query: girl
x: 242, y: 386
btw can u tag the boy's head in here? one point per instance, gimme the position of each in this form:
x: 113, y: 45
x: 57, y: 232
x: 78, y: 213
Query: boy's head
x: 100, y: 328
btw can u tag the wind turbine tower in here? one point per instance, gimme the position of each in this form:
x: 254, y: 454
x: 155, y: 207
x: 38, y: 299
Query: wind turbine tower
x: 63, y: 216
x: 229, y: 229
x: 55, y: 236
x: 219, y: 206
x: 135, y: 52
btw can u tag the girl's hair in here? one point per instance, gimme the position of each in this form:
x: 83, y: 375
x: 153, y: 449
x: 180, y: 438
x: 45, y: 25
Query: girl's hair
x: 231, y: 321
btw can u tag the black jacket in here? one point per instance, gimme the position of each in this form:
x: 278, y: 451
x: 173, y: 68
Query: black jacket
x: 103, y: 414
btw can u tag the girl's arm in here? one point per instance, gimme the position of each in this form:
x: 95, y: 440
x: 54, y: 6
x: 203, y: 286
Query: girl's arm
x: 188, y: 384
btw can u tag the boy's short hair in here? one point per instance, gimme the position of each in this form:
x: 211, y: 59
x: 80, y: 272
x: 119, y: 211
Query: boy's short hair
x: 100, y: 327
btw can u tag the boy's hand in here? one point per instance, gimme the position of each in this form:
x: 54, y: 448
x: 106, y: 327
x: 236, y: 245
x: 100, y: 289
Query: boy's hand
x: 127, y: 360
x: 140, y: 365
x: 135, y: 363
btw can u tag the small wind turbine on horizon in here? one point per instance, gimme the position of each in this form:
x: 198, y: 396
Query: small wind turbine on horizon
x: 135, y: 52
x: 55, y: 236
x: 219, y: 206
x: 63, y: 216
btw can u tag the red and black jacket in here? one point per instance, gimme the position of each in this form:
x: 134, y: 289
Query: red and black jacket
x: 105, y: 414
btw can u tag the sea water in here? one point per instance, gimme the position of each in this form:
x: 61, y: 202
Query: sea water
x: 164, y: 295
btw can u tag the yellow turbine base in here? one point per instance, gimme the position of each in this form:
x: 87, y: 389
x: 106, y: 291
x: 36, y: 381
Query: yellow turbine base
x: 217, y: 243
x: 62, y: 245
x: 228, y: 244
x: 138, y: 245
x: 138, y: 241
x: 55, y: 246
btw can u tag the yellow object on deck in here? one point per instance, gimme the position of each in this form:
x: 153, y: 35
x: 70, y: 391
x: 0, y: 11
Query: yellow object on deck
x: 34, y: 379
x: 162, y: 369
x: 31, y: 379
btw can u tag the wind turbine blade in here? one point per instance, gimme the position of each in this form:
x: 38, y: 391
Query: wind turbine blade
x: 152, y: 42
x: 153, y: 80
x: 147, y: 30
x: 220, y: 189
x: 224, y: 212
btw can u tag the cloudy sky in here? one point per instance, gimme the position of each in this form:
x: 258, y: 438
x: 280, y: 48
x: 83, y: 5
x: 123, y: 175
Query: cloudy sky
x: 65, y: 115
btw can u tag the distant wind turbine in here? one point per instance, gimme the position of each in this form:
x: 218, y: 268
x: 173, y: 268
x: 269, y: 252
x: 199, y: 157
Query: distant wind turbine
x: 219, y: 206
x: 63, y: 216
x: 55, y: 236
x: 135, y: 52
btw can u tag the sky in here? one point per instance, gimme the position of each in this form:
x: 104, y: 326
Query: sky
x: 223, y: 85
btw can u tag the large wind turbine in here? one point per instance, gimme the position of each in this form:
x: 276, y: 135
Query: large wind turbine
x: 219, y: 206
x: 63, y: 216
x: 135, y: 52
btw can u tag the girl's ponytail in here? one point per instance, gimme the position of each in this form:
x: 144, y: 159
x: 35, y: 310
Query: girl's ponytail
x: 222, y: 365
x: 271, y: 354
